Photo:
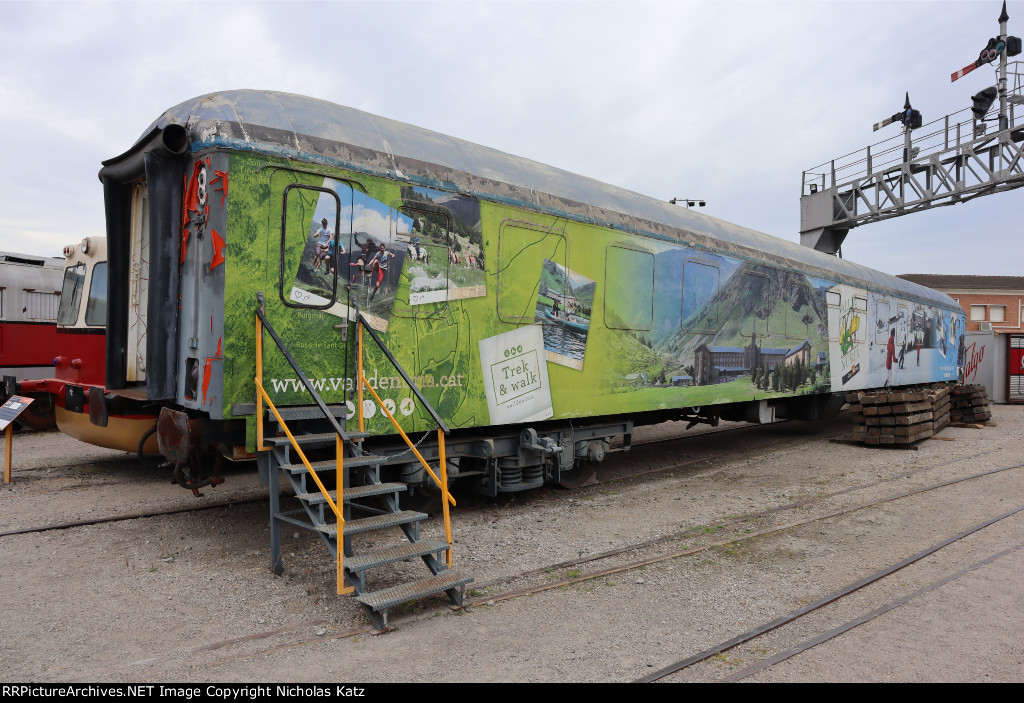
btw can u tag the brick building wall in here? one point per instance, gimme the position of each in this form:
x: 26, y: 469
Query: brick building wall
x: 1001, y: 310
x: 995, y: 300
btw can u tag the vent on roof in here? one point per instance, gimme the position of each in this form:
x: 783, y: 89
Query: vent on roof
x: 20, y: 260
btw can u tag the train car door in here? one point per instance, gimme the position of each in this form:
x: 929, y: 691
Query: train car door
x: 138, y: 286
x: 313, y: 258
x: 1015, y: 370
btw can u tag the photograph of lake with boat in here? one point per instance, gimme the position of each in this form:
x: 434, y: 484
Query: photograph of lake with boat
x: 564, y: 303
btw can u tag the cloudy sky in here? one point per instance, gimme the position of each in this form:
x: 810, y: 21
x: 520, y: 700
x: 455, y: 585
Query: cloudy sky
x: 724, y: 101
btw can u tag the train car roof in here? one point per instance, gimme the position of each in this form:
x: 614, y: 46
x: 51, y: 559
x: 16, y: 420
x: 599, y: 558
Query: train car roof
x: 32, y: 260
x: 298, y: 127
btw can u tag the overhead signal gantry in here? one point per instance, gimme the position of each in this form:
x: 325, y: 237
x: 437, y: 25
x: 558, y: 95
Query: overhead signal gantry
x: 947, y: 161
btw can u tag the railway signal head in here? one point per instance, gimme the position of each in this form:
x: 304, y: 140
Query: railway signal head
x: 909, y: 117
x: 982, y: 101
x: 991, y: 52
x: 912, y: 118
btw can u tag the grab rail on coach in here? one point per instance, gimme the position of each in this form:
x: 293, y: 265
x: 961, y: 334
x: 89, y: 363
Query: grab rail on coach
x: 442, y: 428
x: 342, y: 436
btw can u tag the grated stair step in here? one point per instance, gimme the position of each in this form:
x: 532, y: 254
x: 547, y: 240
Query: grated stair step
x: 306, y: 412
x: 375, y: 522
x: 321, y: 439
x: 401, y: 552
x: 351, y: 462
x: 354, y: 492
x: 396, y: 595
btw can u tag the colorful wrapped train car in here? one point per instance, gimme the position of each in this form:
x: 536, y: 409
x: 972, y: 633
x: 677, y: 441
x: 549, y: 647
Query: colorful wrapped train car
x: 514, y: 293
x: 533, y: 313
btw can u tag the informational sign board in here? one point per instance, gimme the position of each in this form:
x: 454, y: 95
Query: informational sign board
x: 10, y: 410
x: 516, y: 376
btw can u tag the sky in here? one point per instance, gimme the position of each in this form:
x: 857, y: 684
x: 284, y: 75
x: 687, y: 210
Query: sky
x: 728, y: 102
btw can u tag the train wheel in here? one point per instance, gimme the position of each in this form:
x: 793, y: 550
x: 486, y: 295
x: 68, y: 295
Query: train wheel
x: 583, y: 475
x: 40, y: 415
x: 422, y: 499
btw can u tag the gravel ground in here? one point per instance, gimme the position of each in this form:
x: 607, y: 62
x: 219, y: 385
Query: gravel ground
x: 190, y: 597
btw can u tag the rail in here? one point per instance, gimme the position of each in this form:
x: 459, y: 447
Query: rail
x: 342, y: 436
x: 944, y: 137
x: 954, y: 159
x: 442, y: 429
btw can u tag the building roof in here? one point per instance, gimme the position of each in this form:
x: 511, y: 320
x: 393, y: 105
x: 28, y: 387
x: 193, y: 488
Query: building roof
x: 944, y: 282
x: 727, y: 350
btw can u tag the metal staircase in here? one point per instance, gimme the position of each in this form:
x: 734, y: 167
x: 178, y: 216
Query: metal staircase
x: 364, y: 504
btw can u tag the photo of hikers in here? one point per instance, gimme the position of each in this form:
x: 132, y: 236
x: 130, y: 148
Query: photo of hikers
x: 445, y: 246
x: 351, y: 240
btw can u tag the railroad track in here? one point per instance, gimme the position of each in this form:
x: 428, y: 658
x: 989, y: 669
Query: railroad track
x: 605, y: 480
x: 600, y: 572
x: 832, y: 633
x: 226, y: 652
x: 224, y: 503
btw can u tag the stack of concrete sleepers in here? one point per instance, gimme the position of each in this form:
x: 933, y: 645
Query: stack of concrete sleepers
x: 970, y: 404
x: 899, y: 417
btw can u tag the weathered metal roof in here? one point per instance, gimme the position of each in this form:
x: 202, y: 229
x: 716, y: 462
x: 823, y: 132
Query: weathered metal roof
x: 954, y: 282
x: 295, y: 126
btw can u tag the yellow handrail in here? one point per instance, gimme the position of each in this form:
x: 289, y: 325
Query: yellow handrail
x: 442, y: 486
x: 442, y: 482
x: 339, y: 460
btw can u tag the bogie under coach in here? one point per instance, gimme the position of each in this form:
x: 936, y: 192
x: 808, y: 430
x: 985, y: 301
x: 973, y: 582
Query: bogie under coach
x: 541, y: 314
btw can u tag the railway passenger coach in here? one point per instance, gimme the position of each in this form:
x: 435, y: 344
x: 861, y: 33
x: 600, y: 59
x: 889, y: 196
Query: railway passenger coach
x: 77, y: 358
x: 29, y: 294
x: 540, y: 314
x: 405, y: 281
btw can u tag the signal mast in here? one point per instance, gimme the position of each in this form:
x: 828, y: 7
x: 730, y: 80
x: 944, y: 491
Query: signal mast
x: 1001, y: 47
x: 955, y: 162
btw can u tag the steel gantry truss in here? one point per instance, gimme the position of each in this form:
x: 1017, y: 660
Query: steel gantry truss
x: 953, y: 159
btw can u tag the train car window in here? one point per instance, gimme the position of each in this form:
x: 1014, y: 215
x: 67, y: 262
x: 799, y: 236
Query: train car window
x: 800, y: 315
x: 882, y: 318
x: 71, y: 294
x: 700, y: 296
x: 860, y: 305
x: 41, y: 306
x: 310, y: 266
x: 832, y: 300
x: 532, y: 273
x: 756, y: 302
x: 629, y: 289
x: 96, y: 305
x: 902, y: 324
